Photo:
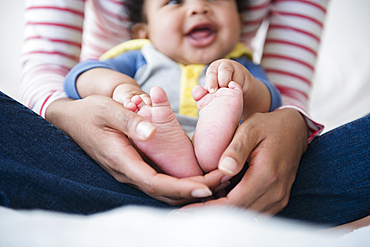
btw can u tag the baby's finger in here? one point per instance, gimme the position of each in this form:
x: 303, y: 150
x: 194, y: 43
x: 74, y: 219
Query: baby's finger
x: 225, y: 73
x: 146, y: 98
x: 140, y: 100
x: 125, y: 101
x: 211, y: 82
x: 132, y: 107
x: 136, y: 99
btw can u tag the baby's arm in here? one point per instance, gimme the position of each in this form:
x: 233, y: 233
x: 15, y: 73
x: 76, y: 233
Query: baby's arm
x: 257, y: 95
x: 107, y: 82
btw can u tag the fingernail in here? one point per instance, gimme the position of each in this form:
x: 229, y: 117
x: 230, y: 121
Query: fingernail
x: 147, y: 101
x: 228, y: 165
x: 226, y: 178
x: 222, y: 186
x: 144, y: 129
x: 201, y: 193
x: 212, y: 90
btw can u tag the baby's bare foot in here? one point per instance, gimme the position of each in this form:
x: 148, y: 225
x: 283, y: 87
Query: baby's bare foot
x: 219, y: 115
x: 170, y: 148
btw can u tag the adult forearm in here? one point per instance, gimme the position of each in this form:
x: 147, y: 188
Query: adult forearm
x: 58, y: 114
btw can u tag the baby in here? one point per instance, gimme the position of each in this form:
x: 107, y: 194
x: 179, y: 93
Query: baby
x: 178, y: 55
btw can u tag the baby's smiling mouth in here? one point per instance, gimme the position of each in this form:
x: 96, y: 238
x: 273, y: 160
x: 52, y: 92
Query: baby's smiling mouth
x: 201, y: 31
x: 202, y: 35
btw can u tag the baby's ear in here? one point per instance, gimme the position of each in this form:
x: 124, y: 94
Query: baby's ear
x: 140, y: 31
x: 241, y: 19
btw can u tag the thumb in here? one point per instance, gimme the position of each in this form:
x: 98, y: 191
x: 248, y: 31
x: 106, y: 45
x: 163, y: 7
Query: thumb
x: 116, y: 116
x: 236, y: 154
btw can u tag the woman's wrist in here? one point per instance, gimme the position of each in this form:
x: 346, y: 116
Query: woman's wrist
x: 298, y: 123
x: 314, y: 128
x: 56, y: 112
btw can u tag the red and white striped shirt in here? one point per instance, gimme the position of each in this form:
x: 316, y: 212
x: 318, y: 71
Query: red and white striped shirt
x: 60, y: 33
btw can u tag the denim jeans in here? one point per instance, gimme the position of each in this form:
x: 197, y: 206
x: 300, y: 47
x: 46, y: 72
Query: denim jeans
x: 40, y: 167
x: 333, y: 179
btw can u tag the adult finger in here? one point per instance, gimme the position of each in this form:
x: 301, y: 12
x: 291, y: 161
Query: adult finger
x: 266, y: 185
x: 124, y: 163
x: 236, y: 154
x: 212, y: 179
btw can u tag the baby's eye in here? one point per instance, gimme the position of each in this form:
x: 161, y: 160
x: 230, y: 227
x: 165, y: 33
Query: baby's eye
x: 175, y: 2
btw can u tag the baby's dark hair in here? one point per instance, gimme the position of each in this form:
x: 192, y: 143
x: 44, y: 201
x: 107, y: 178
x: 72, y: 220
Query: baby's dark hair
x: 135, y: 9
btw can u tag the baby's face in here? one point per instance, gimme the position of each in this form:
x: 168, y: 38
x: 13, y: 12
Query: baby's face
x: 193, y: 31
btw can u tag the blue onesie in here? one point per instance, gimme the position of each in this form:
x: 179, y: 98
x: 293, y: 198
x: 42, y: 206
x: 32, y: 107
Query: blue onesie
x: 150, y: 68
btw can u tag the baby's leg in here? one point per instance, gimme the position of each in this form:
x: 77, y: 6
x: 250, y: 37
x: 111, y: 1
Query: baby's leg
x: 170, y: 149
x: 219, y: 115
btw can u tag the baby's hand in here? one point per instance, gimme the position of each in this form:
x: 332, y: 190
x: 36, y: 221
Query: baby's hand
x: 130, y: 96
x: 221, y: 72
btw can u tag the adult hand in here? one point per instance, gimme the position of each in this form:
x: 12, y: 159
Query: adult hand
x: 272, y: 144
x: 100, y: 126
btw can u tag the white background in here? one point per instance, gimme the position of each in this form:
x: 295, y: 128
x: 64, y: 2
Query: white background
x: 11, y: 37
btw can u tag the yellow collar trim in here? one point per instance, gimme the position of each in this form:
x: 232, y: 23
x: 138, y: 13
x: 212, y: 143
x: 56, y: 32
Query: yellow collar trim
x: 130, y: 45
x: 136, y: 44
x: 240, y: 50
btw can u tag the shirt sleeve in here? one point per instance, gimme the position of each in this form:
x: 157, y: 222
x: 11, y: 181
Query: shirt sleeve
x: 127, y: 63
x: 53, y: 36
x: 290, y: 52
x: 291, y: 46
x: 71, y: 78
x: 52, y: 45
x: 259, y: 73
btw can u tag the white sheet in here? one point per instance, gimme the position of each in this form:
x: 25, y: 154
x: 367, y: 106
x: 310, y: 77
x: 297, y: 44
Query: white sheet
x: 140, y: 226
